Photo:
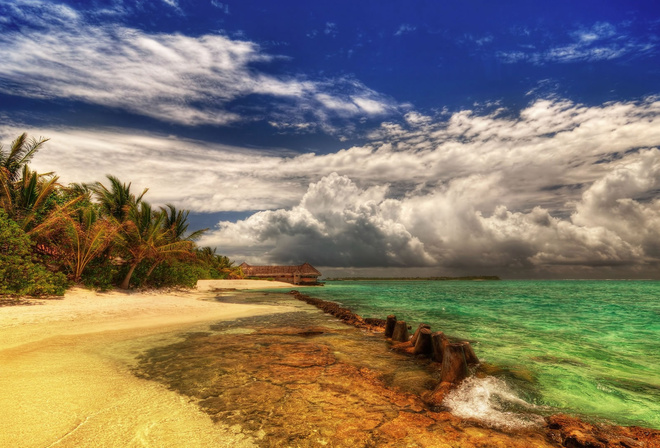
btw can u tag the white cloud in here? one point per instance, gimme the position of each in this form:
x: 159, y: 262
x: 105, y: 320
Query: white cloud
x: 600, y: 30
x: 405, y: 28
x: 559, y: 184
x: 330, y: 29
x: 220, y: 5
x: 170, y: 77
x: 338, y: 224
x: 192, y: 174
x: 335, y: 224
x: 602, y: 41
x: 545, y: 156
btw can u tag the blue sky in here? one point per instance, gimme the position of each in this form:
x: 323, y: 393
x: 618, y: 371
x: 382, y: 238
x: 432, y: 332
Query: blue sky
x: 514, y: 138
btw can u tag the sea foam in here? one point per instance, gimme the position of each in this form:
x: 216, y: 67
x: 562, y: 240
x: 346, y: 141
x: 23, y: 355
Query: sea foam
x: 492, y: 402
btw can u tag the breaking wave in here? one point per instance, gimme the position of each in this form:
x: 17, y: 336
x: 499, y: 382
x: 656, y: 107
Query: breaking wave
x: 492, y: 402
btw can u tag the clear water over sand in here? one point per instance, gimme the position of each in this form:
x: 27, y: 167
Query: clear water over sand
x: 590, y: 348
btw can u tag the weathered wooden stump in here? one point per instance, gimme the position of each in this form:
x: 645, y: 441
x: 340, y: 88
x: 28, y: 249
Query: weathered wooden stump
x: 436, y: 344
x: 423, y: 345
x: 470, y: 355
x: 454, y: 366
x: 400, y: 333
x: 413, y: 341
x: 389, y: 325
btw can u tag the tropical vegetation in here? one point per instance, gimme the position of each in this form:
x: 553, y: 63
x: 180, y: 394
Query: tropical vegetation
x: 99, y: 235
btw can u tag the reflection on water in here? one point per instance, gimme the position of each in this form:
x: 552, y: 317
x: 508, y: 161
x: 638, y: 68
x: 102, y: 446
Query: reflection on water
x: 304, y: 379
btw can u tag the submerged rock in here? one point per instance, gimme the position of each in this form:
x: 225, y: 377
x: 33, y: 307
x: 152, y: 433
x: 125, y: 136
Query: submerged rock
x: 574, y: 433
x: 282, y: 387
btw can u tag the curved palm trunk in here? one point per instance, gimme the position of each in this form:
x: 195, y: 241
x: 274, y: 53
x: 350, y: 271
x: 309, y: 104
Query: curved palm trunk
x: 127, y: 279
x: 151, y: 269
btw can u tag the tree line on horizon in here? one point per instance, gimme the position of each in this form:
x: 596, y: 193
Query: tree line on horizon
x: 98, y: 235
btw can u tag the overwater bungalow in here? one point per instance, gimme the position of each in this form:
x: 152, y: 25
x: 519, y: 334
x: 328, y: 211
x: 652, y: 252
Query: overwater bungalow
x: 304, y: 274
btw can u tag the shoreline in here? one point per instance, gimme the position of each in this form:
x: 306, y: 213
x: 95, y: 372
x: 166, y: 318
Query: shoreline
x: 68, y: 364
x: 242, y: 285
x: 65, y: 370
x: 566, y: 430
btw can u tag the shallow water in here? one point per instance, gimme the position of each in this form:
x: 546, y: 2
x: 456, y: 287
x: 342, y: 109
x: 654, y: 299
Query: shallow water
x: 78, y: 391
x: 305, y: 379
x: 588, y: 348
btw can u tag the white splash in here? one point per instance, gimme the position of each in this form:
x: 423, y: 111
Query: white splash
x: 492, y: 402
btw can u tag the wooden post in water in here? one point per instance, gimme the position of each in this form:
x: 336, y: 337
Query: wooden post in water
x: 437, y: 347
x: 454, y: 366
x: 470, y: 355
x: 423, y: 345
x: 413, y: 341
x: 389, y: 325
x: 400, y: 333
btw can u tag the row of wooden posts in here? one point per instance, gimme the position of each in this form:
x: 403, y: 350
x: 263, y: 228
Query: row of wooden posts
x: 454, y: 356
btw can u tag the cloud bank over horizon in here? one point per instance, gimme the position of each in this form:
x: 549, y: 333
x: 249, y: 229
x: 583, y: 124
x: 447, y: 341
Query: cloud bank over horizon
x: 556, y: 186
x: 418, y: 138
x: 337, y: 224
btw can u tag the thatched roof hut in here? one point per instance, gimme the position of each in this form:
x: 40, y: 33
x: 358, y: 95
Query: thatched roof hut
x: 304, y: 274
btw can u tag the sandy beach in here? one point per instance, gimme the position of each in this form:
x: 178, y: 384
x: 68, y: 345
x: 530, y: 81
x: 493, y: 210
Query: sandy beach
x: 65, y: 379
x: 147, y: 369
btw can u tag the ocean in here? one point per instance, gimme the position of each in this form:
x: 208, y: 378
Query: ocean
x: 586, y: 348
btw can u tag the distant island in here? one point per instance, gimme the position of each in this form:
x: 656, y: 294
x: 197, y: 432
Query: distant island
x: 439, y: 279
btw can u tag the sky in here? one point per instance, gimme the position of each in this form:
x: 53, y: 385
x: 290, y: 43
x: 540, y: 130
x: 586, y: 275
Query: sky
x: 393, y: 138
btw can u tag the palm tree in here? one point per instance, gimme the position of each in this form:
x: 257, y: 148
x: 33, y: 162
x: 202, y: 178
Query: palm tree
x: 24, y: 198
x: 82, y: 236
x: 144, y: 236
x: 220, y: 263
x: 177, y: 223
x: 21, y: 152
x: 175, y: 226
x: 117, y: 200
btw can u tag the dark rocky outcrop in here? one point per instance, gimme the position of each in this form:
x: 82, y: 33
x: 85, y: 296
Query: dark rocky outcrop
x: 571, y: 432
x: 437, y: 339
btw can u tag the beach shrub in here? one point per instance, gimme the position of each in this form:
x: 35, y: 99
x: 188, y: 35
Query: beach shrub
x: 100, y: 275
x: 169, y: 273
x: 179, y: 273
x: 19, y: 275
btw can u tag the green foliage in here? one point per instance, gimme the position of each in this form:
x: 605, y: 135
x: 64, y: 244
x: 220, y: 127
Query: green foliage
x: 19, y: 275
x: 95, y: 234
x: 100, y: 275
x: 19, y: 154
x: 221, y: 267
x: 170, y: 273
x: 117, y: 200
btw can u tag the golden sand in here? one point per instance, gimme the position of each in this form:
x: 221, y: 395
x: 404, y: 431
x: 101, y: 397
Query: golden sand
x: 65, y: 375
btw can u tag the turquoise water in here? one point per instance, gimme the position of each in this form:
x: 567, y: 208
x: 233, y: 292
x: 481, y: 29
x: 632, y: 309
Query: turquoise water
x: 588, y: 348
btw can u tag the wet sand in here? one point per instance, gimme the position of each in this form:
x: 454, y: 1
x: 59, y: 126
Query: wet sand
x: 247, y: 369
x: 65, y: 376
x: 210, y: 285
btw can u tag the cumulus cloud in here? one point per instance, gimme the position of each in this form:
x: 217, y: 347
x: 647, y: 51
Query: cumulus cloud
x: 335, y: 224
x: 557, y: 184
x: 338, y: 224
x: 546, y: 156
x: 170, y: 77
x: 625, y: 202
